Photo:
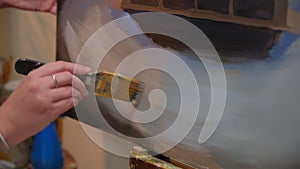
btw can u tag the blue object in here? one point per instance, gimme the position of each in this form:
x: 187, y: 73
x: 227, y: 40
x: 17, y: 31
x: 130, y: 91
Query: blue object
x: 46, y: 149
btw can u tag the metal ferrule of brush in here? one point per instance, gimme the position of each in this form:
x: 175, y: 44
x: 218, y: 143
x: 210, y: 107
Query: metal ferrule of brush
x: 114, y: 86
x: 88, y: 80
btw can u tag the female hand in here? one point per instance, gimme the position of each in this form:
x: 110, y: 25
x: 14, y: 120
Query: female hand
x: 33, y: 5
x: 40, y: 99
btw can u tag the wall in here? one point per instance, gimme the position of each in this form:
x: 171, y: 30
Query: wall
x: 87, y: 154
x: 4, y: 35
x: 33, y: 35
x: 27, y: 34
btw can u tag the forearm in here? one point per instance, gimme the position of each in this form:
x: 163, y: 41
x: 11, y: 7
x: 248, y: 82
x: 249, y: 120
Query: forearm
x: 12, y: 127
x: 32, y: 5
x: 6, y: 3
x: 3, y: 130
x: 3, y: 143
x: 20, y: 4
x: 2, y: 4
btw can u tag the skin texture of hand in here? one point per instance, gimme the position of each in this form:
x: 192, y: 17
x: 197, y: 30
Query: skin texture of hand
x: 33, y: 5
x: 37, y: 102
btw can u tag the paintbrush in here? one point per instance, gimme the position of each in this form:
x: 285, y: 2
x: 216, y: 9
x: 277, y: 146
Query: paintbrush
x: 102, y: 83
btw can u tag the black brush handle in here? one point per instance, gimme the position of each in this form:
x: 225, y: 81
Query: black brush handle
x: 24, y: 66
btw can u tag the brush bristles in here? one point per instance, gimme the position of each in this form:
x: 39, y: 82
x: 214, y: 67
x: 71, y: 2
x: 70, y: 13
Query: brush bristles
x: 118, y: 87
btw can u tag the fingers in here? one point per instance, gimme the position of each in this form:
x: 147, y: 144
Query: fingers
x: 65, y: 92
x: 53, y: 9
x: 60, y: 66
x: 68, y: 79
x: 58, y: 75
x: 64, y: 98
x: 62, y: 106
x: 61, y: 88
x: 47, y: 6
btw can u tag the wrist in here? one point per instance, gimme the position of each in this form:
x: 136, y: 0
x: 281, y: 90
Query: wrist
x: 4, y: 133
x: 3, y: 141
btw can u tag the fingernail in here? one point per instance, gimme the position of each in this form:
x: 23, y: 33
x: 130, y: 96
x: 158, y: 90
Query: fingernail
x: 87, y: 69
x: 82, y: 69
x: 86, y: 92
x: 75, y: 101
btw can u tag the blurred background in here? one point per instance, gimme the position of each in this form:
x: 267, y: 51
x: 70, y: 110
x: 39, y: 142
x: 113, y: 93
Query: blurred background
x: 33, y: 35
